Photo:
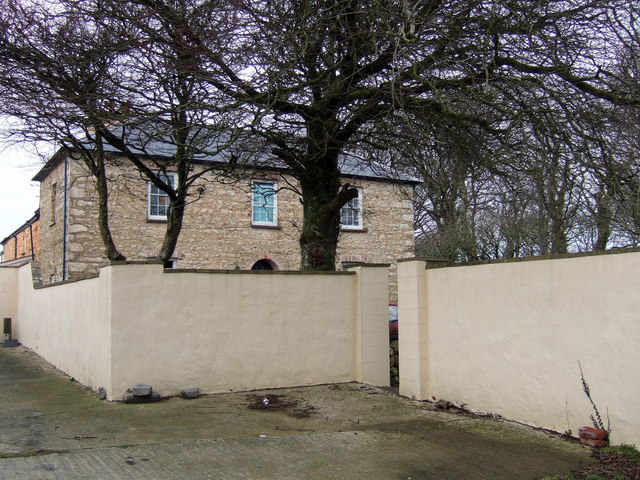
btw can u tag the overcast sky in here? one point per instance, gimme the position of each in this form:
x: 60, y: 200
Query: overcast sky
x: 18, y: 194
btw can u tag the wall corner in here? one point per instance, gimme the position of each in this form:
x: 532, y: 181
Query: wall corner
x: 372, y: 324
x: 413, y: 329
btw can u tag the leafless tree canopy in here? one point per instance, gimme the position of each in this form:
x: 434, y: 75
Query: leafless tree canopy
x: 462, y: 83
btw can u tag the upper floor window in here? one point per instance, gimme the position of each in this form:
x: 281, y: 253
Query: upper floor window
x: 264, y: 205
x: 351, y: 213
x: 52, y: 202
x: 157, y: 200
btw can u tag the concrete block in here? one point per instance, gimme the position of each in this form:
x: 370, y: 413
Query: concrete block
x: 141, y: 390
x: 131, y: 398
x: 190, y: 393
x: 10, y: 343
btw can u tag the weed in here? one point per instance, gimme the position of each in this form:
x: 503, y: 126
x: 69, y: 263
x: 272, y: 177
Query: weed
x: 621, y: 462
x: 597, y: 420
x: 628, y: 451
x: 600, y: 477
x: 589, y: 476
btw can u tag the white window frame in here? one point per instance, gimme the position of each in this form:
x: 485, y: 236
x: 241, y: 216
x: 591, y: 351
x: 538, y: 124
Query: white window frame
x: 360, y: 224
x: 274, y: 187
x: 173, y: 176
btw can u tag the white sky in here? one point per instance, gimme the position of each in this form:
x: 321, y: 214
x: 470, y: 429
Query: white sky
x: 19, y: 196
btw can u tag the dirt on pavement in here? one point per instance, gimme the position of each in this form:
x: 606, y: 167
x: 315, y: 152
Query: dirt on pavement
x: 48, y: 419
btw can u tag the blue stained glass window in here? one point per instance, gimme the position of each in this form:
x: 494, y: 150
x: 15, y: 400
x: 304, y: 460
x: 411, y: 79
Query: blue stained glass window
x: 263, y: 203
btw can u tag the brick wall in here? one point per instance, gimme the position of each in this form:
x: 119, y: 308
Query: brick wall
x: 19, y: 245
x: 217, y: 230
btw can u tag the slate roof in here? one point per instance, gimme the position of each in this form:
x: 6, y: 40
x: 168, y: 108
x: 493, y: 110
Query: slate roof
x: 350, y: 165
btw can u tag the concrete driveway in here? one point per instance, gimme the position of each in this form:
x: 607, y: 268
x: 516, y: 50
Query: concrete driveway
x: 53, y: 428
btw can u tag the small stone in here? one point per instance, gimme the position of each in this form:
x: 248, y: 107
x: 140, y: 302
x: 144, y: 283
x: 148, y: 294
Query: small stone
x: 444, y: 404
x: 129, y: 397
x: 190, y: 393
x: 141, y: 390
x: 102, y: 393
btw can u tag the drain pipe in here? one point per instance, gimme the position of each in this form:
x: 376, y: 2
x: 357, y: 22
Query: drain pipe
x: 33, y: 255
x: 64, y: 221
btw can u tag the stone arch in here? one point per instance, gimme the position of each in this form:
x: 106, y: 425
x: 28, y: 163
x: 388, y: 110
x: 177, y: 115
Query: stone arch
x: 264, y: 264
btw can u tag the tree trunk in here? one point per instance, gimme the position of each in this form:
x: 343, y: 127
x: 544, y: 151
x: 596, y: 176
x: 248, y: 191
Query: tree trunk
x: 111, y: 250
x: 175, y: 218
x: 98, y: 169
x: 318, y: 240
x: 603, y: 220
x: 322, y: 201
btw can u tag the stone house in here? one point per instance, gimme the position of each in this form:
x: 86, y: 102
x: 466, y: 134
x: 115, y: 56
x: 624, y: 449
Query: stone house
x: 250, y: 223
x: 23, y: 243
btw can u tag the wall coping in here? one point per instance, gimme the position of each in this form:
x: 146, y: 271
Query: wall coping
x: 254, y: 272
x: 364, y: 264
x: 207, y: 270
x: 433, y: 263
x: 66, y: 282
x: 225, y: 271
x: 426, y: 259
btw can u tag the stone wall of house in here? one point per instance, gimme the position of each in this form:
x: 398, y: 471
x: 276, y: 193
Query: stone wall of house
x: 217, y: 231
x: 52, y: 199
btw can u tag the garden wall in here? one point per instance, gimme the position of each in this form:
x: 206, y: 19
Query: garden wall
x: 216, y: 330
x: 8, y: 293
x: 506, y: 338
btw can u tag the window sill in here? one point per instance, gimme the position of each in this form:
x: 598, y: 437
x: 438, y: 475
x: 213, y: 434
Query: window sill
x: 268, y: 227
x: 156, y: 220
x: 354, y: 230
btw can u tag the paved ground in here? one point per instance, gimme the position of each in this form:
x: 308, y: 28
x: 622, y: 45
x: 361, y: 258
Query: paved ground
x: 52, y: 428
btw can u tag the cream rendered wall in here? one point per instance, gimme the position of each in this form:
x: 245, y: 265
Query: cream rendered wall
x: 372, y: 324
x: 230, y: 330
x: 8, y: 293
x: 68, y: 325
x: 506, y: 338
x: 413, y: 348
x: 216, y: 330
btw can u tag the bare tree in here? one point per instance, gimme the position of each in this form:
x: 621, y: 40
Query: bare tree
x: 317, y: 80
x: 106, y: 84
x: 56, y: 92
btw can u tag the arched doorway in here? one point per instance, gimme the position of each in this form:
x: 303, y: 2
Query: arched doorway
x: 264, y: 264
